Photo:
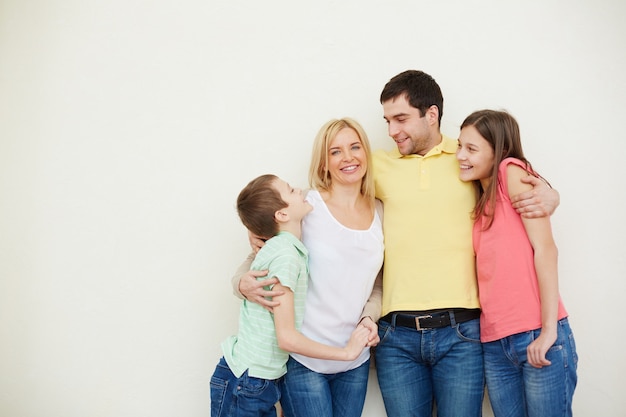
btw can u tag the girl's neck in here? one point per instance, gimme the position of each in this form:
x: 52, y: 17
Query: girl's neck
x: 484, y: 183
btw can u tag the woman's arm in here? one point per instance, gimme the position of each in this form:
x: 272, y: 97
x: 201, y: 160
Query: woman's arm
x: 245, y: 285
x: 371, y: 310
x: 539, y: 233
x: 293, y: 341
x: 373, y: 306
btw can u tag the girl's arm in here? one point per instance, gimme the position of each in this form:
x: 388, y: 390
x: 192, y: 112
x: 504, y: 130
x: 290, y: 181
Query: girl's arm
x: 539, y: 233
x: 293, y: 341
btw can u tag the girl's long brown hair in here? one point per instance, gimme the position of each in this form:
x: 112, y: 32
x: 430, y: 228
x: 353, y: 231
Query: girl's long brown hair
x: 501, y: 130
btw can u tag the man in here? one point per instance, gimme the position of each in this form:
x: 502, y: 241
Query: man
x: 430, y: 336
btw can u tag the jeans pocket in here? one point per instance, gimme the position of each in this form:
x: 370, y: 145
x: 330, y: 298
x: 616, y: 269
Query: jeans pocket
x: 252, y: 386
x: 219, y: 388
x: 469, y: 331
x: 384, y: 329
x: 569, y: 339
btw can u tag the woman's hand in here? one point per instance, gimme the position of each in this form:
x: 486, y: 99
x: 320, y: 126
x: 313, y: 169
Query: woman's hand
x: 252, y: 289
x: 256, y: 242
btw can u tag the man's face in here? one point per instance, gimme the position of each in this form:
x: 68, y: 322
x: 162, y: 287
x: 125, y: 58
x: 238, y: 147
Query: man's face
x: 413, y: 132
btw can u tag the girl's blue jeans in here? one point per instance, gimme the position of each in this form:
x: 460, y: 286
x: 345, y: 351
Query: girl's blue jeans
x: 516, y: 389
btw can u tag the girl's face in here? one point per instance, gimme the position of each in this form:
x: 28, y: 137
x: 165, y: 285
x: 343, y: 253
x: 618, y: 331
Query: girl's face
x: 347, y: 161
x: 475, y: 156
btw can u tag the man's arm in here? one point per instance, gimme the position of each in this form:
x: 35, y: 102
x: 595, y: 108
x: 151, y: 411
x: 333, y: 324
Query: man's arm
x: 541, y: 201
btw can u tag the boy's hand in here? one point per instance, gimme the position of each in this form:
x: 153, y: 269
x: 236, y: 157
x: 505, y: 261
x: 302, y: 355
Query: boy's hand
x: 372, y: 338
x: 253, y: 290
x: 358, y: 341
x: 541, y: 201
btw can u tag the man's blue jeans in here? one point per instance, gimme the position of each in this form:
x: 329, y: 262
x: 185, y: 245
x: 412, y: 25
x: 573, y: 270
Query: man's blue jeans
x: 416, y: 366
x: 306, y: 393
x: 242, y: 397
x: 516, y: 389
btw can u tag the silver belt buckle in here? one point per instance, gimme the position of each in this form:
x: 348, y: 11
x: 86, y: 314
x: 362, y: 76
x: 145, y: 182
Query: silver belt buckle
x: 417, y: 322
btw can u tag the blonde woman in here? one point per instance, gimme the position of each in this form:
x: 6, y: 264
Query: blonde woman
x: 343, y: 235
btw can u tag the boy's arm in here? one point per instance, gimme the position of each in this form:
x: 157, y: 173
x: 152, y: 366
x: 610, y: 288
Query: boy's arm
x: 291, y: 340
x: 540, y: 201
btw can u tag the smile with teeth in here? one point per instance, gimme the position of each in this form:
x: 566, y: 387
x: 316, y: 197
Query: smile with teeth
x: 465, y: 166
x: 349, y: 168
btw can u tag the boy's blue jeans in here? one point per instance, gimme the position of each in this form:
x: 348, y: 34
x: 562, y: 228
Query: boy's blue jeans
x: 517, y: 389
x: 242, y: 397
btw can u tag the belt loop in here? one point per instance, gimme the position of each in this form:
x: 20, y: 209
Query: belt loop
x: 452, y: 319
x: 393, y: 320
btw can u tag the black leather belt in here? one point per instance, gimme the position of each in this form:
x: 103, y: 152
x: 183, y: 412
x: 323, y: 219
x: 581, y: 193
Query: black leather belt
x: 424, y: 320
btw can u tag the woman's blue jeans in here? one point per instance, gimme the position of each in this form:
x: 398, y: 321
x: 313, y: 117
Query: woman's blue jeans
x: 242, y: 397
x: 306, y: 393
x: 445, y: 364
x: 516, y: 389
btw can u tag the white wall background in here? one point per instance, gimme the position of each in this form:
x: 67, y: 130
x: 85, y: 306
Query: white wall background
x: 127, y: 128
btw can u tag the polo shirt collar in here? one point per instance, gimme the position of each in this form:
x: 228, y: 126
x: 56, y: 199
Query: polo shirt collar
x: 297, y: 243
x: 446, y: 145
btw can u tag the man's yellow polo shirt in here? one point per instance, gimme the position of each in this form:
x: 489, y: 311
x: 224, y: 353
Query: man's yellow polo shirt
x: 429, y: 257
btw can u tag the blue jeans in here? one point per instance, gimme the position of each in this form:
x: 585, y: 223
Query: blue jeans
x: 306, y: 393
x: 517, y: 389
x: 416, y: 366
x: 242, y: 397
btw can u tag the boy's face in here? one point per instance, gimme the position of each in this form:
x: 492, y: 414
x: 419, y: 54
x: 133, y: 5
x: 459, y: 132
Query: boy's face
x: 297, y: 207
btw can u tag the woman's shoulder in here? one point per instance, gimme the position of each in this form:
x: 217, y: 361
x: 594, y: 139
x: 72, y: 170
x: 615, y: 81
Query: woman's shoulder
x: 312, y: 195
x: 378, y: 205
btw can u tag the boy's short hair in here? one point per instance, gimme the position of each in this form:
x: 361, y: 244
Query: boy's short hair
x: 257, y: 204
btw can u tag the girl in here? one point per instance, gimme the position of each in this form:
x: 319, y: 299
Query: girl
x: 529, y: 351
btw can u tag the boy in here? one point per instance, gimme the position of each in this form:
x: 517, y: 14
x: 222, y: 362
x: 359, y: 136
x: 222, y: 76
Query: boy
x: 245, y: 381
